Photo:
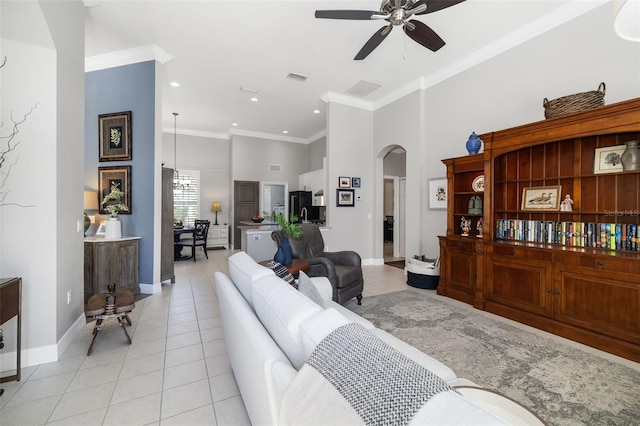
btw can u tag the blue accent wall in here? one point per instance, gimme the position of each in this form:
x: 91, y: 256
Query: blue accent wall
x: 126, y: 88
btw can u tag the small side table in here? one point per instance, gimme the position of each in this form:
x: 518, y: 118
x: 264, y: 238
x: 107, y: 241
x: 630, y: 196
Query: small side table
x: 294, y: 267
x: 10, y: 306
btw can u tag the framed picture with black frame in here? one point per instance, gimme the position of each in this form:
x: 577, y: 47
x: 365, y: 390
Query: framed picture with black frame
x: 345, y: 197
x: 114, y: 137
x: 344, y: 182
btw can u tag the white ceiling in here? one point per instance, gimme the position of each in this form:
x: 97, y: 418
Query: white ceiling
x: 216, y: 47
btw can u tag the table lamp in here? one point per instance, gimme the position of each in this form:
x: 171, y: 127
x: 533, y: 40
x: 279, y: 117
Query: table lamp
x: 90, y: 203
x: 215, y: 207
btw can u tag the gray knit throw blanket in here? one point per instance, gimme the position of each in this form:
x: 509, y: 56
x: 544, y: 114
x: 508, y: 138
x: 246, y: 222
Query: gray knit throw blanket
x: 382, y: 385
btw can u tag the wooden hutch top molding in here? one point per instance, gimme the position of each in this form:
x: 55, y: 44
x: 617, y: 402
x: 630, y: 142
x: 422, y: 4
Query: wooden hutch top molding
x: 620, y: 117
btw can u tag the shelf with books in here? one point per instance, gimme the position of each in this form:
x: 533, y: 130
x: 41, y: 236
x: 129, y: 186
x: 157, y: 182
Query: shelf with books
x: 541, y: 265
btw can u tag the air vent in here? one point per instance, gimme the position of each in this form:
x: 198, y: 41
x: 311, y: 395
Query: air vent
x: 363, y: 88
x: 249, y: 89
x: 274, y: 167
x: 296, y: 77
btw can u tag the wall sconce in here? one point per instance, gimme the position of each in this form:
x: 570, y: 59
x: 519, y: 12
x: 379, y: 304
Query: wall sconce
x: 215, y: 207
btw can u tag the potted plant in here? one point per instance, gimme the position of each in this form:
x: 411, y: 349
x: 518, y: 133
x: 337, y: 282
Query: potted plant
x: 290, y: 228
x: 113, y: 228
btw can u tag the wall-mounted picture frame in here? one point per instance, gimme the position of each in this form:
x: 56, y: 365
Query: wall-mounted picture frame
x: 114, y: 136
x: 345, y: 197
x: 438, y: 194
x: 120, y: 176
x: 355, y: 182
x: 344, y: 182
x: 608, y: 159
x: 541, y: 198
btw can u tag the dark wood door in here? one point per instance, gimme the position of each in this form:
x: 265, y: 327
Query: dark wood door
x: 246, y: 195
x: 166, y: 250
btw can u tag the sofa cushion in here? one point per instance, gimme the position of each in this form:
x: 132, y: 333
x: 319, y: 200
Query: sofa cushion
x: 281, y: 271
x: 436, y: 367
x: 282, y: 309
x: 306, y: 287
x: 318, y: 327
x: 243, y: 270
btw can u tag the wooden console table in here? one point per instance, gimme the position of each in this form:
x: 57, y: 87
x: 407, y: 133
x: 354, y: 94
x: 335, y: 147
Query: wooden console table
x: 109, y: 261
x: 10, y: 303
x: 294, y: 267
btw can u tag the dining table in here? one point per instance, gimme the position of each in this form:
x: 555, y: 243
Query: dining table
x: 178, y: 232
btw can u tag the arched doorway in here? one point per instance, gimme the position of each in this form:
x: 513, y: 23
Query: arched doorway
x: 393, y: 202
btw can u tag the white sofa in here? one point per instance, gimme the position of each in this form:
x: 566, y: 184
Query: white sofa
x: 271, y: 328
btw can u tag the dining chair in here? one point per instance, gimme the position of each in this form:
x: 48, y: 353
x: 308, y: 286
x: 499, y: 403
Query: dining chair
x: 200, y: 232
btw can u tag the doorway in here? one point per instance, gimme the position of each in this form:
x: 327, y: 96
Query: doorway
x: 246, y: 204
x: 393, y: 208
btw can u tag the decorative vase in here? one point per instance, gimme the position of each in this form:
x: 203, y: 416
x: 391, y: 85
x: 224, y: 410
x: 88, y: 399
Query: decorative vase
x: 284, y: 255
x: 113, y: 228
x: 473, y: 143
x: 87, y: 223
x: 630, y: 158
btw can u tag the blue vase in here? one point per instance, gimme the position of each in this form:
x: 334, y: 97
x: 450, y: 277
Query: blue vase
x: 474, y: 143
x: 284, y: 255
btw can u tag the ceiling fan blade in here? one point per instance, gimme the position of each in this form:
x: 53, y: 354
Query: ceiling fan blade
x: 362, y: 15
x: 424, y: 35
x: 436, y: 5
x: 373, y: 42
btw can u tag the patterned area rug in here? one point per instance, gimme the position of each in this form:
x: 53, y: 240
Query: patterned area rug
x: 560, y: 382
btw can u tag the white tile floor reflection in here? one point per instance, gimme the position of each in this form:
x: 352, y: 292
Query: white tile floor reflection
x: 176, y: 371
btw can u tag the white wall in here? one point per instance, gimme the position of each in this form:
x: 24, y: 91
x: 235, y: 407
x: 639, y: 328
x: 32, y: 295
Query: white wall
x: 349, y: 141
x: 508, y: 90
x: 211, y: 157
x: 45, y: 177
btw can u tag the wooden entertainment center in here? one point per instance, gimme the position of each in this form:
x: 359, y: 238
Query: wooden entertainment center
x: 547, y: 268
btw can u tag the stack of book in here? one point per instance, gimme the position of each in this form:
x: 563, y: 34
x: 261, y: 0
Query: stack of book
x: 615, y: 236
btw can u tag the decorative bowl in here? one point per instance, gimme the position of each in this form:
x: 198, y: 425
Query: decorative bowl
x: 257, y: 219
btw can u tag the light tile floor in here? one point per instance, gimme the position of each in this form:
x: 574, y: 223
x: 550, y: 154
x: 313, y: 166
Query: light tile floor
x: 175, y: 372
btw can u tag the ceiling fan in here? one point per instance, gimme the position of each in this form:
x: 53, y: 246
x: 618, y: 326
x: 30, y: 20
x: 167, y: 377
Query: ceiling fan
x: 396, y: 12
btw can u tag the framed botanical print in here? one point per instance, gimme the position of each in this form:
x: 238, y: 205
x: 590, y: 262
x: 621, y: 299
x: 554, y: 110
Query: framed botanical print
x: 120, y: 177
x: 438, y: 193
x: 114, y: 136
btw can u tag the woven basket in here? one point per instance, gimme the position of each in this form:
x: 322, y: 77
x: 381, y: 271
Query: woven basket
x: 574, y: 103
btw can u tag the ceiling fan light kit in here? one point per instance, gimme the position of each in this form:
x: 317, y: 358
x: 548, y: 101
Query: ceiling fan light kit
x: 396, y: 12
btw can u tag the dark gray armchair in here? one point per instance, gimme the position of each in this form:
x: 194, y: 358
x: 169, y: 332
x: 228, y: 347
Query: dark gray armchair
x: 342, y: 268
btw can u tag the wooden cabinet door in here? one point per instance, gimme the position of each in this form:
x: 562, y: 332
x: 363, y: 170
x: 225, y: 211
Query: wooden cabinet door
x: 515, y: 278
x: 606, y: 302
x: 459, y: 268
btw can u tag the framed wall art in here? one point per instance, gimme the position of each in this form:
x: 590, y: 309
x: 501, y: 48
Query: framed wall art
x: 355, y: 182
x: 608, y: 159
x: 119, y: 176
x: 344, y: 182
x: 345, y: 197
x: 114, y: 136
x: 541, y: 198
x: 438, y: 194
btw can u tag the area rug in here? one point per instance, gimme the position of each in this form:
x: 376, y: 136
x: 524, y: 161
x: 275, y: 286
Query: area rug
x: 562, y: 383
x: 396, y: 263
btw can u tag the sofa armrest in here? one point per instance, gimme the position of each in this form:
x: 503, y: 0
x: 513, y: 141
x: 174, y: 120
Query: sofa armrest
x: 345, y: 257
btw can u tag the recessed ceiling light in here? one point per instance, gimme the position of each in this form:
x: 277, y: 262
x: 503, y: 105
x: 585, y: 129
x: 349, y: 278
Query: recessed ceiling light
x: 316, y: 111
x: 285, y: 131
x: 234, y: 124
x: 254, y: 99
x: 175, y: 84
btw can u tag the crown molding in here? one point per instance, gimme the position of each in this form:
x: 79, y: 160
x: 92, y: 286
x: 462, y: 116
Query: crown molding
x: 150, y: 52
x: 348, y: 100
x: 261, y: 135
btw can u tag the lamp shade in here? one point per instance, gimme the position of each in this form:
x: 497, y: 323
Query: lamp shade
x: 90, y: 200
x: 215, y: 206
